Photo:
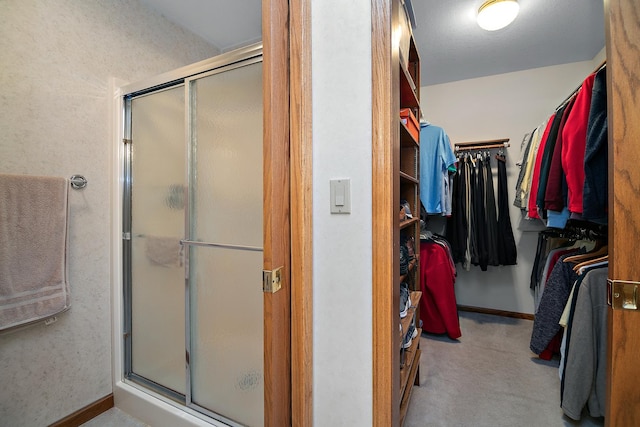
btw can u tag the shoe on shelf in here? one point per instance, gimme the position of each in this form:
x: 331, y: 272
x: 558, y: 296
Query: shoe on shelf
x: 407, y: 208
x: 404, y: 260
x: 405, y: 300
x: 411, y: 334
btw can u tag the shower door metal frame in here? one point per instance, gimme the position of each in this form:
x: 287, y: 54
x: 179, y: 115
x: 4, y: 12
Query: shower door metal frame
x: 182, y: 77
x: 189, y: 128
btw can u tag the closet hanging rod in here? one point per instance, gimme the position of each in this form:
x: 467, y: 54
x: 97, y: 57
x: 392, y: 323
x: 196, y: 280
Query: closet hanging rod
x: 598, y: 68
x: 480, y: 145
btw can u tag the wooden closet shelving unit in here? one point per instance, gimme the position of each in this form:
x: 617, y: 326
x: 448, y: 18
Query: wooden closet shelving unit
x: 409, y: 178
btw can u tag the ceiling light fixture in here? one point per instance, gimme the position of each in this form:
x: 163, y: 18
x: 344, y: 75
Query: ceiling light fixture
x: 496, y: 14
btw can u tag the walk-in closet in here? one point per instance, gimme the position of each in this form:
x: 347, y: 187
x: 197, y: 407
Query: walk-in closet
x: 514, y: 215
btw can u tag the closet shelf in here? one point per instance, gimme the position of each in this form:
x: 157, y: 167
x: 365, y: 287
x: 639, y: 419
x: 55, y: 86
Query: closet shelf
x: 408, y: 375
x: 403, y: 277
x: 410, y: 358
x: 407, y: 177
x: 406, y: 321
x: 406, y: 154
x: 408, y: 222
x: 406, y: 139
x: 408, y: 96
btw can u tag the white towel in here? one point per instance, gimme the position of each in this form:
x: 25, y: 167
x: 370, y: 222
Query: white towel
x: 164, y: 251
x: 33, y: 249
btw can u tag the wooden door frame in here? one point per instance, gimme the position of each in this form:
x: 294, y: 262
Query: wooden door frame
x: 301, y: 213
x: 287, y: 196
x: 385, y: 100
x: 622, y: 31
x: 623, y: 57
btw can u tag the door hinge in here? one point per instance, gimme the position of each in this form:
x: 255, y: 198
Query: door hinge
x: 623, y: 294
x: 126, y: 235
x: 272, y: 280
x: 126, y: 141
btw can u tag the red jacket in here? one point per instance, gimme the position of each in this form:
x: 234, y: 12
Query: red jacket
x: 535, y: 179
x: 554, y: 199
x: 438, y: 308
x: 574, y: 140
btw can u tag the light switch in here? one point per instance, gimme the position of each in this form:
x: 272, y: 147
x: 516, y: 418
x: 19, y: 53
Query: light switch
x: 340, y: 196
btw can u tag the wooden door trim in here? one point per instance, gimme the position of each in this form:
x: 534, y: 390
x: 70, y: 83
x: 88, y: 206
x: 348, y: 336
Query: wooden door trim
x: 276, y: 228
x: 622, y: 31
x: 301, y: 214
x: 385, y: 230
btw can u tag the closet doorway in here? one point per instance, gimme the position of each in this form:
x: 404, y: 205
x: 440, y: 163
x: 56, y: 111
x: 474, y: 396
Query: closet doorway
x: 622, y: 28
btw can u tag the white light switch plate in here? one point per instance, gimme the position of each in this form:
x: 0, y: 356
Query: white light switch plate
x: 340, y: 196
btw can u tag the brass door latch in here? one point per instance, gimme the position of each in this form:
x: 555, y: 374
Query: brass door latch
x: 272, y: 280
x: 623, y: 294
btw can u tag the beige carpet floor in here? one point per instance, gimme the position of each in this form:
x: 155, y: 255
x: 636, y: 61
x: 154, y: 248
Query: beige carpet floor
x: 488, y: 377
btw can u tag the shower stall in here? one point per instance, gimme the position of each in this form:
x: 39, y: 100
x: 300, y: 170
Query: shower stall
x: 192, y: 238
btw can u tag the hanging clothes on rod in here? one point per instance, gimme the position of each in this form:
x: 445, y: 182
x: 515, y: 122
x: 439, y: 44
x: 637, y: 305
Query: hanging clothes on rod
x: 507, y: 252
x: 563, y: 171
x: 584, y: 346
x: 480, y: 233
x: 479, y: 145
x: 601, y: 66
x: 437, y: 164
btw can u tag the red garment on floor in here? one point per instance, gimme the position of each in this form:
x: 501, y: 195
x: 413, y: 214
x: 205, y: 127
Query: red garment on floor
x: 553, y: 348
x: 438, y: 308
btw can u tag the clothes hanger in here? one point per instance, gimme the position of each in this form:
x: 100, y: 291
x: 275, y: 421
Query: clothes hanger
x: 590, y: 262
x: 588, y: 245
x: 588, y: 256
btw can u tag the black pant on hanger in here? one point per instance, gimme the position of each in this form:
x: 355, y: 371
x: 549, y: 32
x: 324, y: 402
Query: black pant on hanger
x: 507, y: 251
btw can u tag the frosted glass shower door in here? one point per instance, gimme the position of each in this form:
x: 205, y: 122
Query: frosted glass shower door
x: 158, y: 177
x: 225, y: 245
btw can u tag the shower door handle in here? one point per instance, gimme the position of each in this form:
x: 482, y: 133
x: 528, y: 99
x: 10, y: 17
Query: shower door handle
x: 221, y: 245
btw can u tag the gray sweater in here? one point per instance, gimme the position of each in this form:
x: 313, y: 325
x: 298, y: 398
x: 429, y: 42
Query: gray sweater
x: 585, y: 371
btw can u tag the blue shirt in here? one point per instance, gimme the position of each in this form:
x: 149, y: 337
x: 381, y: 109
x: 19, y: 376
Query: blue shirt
x: 436, y: 155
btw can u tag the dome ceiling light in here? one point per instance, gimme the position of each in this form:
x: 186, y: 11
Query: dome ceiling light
x: 496, y: 14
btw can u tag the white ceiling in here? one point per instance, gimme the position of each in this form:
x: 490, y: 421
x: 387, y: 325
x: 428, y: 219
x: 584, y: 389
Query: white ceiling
x: 451, y: 45
x: 227, y: 24
x: 546, y: 32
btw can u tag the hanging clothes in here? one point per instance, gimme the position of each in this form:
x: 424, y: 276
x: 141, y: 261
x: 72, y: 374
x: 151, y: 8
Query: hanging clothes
x: 574, y: 143
x: 522, y: 198
x: 532, y: 210
x: 473, y: 211
x: 507, y: 252
x: 545, y: 164
x: 436, y: 157
x: 552, y: 303
x: 595, y: 195
x: 491, y: 217
x: 481, y: 232
x: 569, y: 161
x: 584, y: 374
x: 456, y: 229
x: 526, y: 145
x: 438, y: 307
x: 555, y: 192
x: 480, y: 218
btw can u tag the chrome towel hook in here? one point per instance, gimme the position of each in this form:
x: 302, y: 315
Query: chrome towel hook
x: 78, y: 182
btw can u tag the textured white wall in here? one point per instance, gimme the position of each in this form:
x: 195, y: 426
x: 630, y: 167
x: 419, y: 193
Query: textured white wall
x: 57, y: 58
x: 502, y: 106
x: 342, y: 360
